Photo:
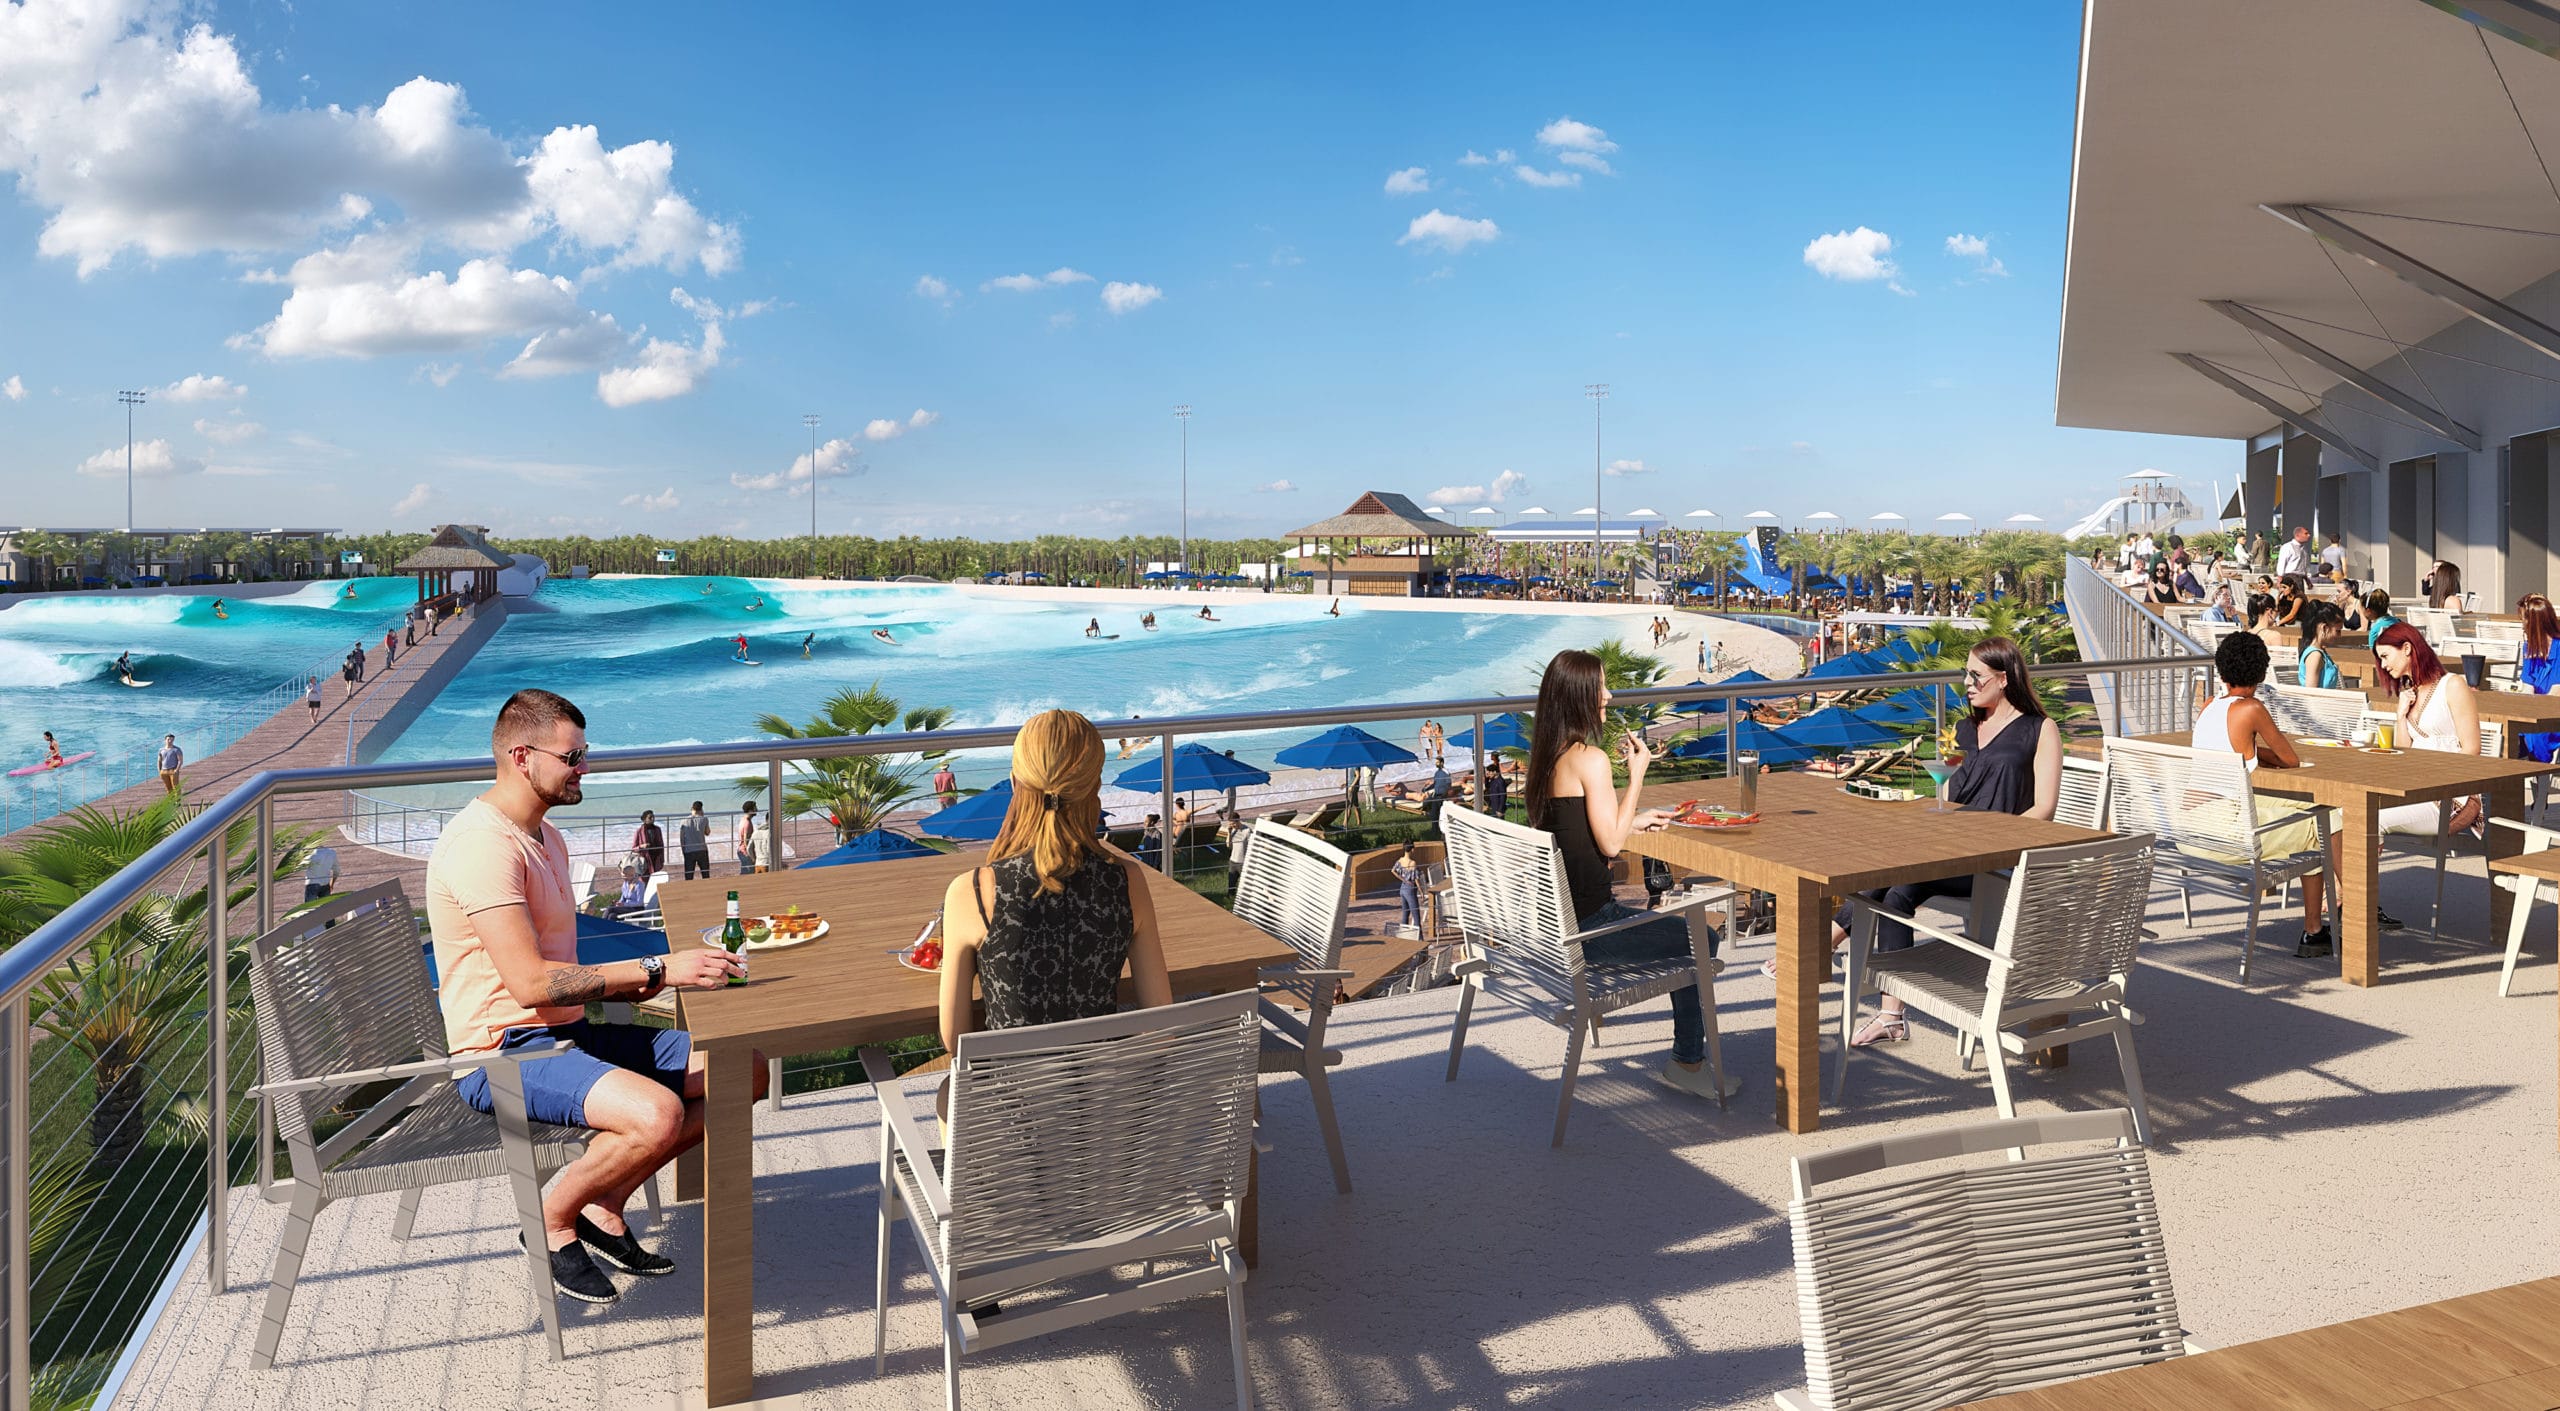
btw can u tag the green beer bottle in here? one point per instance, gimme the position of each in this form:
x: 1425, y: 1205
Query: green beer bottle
x: 733, y: 938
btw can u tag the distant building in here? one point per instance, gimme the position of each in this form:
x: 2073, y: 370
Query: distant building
x: 1382, y: 546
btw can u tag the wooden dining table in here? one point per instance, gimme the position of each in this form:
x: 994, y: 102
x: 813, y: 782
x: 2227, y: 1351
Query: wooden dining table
x: 843, y: 990
x: 1814, y: 845
x: 2359, y: 784
x: 2493, y: 1351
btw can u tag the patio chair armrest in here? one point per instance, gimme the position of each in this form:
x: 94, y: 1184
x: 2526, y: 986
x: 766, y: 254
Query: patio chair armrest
x: 1935, y: 933
x: 902, y: 1130
x: 2536, y: 839
x: 2287, y: 819
x: 418, y: 1069
x: 1283, y: 974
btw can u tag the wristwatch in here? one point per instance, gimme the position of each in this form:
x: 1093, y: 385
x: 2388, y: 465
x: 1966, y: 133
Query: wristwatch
x: 655, y: 968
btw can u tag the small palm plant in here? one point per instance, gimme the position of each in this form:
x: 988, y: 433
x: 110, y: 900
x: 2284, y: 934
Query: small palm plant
x: 855, y: 793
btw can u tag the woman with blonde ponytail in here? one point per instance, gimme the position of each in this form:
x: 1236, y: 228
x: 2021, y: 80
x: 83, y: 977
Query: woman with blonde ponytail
x: 1046, y: 928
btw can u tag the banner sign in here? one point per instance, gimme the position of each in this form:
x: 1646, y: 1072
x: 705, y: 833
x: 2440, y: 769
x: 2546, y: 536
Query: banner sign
x: 350, y: 556
x: 666, y: 556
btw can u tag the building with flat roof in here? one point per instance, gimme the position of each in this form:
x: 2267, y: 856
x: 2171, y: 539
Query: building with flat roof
x: 2327, y: 231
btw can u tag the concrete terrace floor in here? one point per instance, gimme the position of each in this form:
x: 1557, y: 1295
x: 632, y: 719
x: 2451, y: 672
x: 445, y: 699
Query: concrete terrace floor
x: 2325, y: 1152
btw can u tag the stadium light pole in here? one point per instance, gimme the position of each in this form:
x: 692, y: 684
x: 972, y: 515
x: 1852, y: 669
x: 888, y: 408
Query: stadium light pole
x: 1598, y: 392
x: 812, y: 420
x: 1183, y: 414
x: 130, y: 400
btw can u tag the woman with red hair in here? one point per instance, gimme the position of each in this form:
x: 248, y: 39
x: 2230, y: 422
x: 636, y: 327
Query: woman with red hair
x: 2437, y: 712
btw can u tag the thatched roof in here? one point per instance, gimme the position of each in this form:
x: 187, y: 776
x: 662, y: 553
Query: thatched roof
x: 1379, y: 515
x: 456, y: 546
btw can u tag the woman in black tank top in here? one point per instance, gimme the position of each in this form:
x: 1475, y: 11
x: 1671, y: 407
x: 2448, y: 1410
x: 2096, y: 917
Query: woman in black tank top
x: 1045, y: 929
x: 1572, y: 798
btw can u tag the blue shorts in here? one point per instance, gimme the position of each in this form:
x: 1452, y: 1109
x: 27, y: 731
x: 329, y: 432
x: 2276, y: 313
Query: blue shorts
x: 556, y: 1088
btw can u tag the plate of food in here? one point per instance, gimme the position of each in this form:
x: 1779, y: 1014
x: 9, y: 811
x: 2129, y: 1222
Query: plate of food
x: 1694, y: 814
x: 924, y: 954
x: 792, y: 927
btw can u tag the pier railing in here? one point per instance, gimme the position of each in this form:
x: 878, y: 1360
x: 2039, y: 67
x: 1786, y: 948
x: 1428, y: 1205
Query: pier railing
x: 127, y: 1044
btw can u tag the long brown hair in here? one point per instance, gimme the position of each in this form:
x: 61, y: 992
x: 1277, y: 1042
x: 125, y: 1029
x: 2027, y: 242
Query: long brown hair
x: 2541, y: 624
x: 1568, y: 714
x: 1057, y: 796
x: 2425, y: 669
x: 2001, y: 654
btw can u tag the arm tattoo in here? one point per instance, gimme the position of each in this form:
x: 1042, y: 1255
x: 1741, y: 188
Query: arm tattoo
x: 574, y: 984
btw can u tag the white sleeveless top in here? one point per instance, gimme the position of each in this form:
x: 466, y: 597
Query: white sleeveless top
x: 2433, y: 729
x: 2213, y: 733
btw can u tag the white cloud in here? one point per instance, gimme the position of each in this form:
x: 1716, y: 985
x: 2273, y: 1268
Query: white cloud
x: 1504, y: 156
x: 1122, y: 298
x: 152, y: 460
x: 1588, y: 161
x: 890, y: 429
x: 1978, y: 250
x: 1504, y: 486
x: 1064, y: 275
x: 1535, y: 177
x: 1011, y: 283
x: 1412, y: 181
x: 1566, y: 135
x: 197, y: 387
x: 1636, y: 467
x: 579, y: 347
x: 1475, y: 158
x: 137, y: 127
x: 441, y: 374
x: 13, y: 389
x: 1063, y: 318
x: 663, y: 500
x: 665, y: 368
x: 415, y: 500
x: 1440, y: 230
x: 1276, y: 487
x: 1852, y: 255
x: 928, y: 287
x: 228, y: 433
x: 834, y: 459
x: 426, y: 313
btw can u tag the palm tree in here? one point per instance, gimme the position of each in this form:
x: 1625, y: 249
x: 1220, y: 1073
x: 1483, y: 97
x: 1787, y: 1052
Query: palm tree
x: 138, y: 986
x: 1943, y: 645
x: 855, y: 793
x: 1721, y: 554
x: 1799, y: 554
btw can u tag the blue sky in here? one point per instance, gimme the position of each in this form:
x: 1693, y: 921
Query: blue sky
x: 695, y: 234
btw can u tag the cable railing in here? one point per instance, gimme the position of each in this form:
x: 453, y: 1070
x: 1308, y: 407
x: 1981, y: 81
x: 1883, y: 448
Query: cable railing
x: 128, y: 1045
x: 2112, y: 625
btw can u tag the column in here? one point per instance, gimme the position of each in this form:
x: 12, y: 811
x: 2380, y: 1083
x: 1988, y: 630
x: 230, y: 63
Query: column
x: 2301, y: 475
x: 2529, y: 535
x: 2258, y: 498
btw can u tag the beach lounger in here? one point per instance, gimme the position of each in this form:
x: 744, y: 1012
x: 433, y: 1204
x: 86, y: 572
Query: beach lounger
x: 1324, y: 818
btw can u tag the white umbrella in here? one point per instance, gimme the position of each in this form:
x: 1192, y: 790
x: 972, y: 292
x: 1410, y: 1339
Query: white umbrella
x: 1643, y: 514
x: 1587, y: 509
x: 1433, y: 509
x: 1484, y: 509
x: 1822, y: 514
x: 1760, y: 514
x: 1954, y: 514
x: 2026, y: 519
x: 1701, y: 514
x: 1888, y: 514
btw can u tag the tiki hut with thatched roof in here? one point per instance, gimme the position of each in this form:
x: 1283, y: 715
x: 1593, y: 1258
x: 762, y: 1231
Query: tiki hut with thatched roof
x: 1382, y: 546
x: 457, y: 560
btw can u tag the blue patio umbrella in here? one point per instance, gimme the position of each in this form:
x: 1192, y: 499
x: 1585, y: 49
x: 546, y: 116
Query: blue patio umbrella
x: 1839, y: 730
x: 1743, y: 676
x: 1923, y: 697
x: 1540, y: 578
x: 976, y: 817
x: 1894, y: 711
x: 1344, y: 747
x: 878, y: 845
x: 1772, y: 747
x: 1506, y: 731
x: 1899, y: 649
x: 1604, y: 582
x: 1854, y: 664
x: 1195, y: 767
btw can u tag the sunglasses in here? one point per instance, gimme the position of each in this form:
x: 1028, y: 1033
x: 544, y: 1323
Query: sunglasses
x: 573, y: 758
x: 1975, y: 680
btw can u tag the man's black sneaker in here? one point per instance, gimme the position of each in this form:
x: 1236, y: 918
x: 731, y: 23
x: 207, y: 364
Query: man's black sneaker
x: 2386, y: 920
x: 623, y: 1251
x: 576, y: 1275
x: 2315, y: 944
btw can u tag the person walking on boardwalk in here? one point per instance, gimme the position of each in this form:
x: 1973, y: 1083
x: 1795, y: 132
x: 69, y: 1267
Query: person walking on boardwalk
x: 311, y: 698
x: 746, y: 838
x: 172, y: 760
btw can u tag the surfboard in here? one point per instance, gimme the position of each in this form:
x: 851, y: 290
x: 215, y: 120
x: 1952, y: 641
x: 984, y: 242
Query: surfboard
x: 1105, y: 637
x: 735, y: 661
x: 137, y: 685
x: 67, y: 761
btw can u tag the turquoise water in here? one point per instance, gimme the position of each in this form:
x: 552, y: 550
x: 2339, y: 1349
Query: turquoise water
x: 649, y: 660
x: 57, y: 652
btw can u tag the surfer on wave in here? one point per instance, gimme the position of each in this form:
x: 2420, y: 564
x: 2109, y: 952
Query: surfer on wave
x: 53, y: 752
x: 883, y: 634
x: 124, y: 668
x: 758, y: 603
x: 806, y: 643
x: 741, y: 640
x: 1206, y: 615
x: 217, y: 609
x: 1093, y: 627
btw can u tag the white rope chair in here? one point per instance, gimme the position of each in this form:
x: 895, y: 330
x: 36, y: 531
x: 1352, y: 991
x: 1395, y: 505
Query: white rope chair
x: 1933, y: 1289
x: 1525, y: 945
x: 2083, y: 800
x: 343, y: 1004
x: 2198, y: 804
x: 1296, y: 887
x: 2527, y: 890
x: 2314, y: 713
x: 2064, y: 946
x: 1072, y: 1150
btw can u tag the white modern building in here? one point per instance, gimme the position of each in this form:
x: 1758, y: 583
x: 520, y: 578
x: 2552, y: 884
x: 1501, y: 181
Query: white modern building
x: 2329, y: 231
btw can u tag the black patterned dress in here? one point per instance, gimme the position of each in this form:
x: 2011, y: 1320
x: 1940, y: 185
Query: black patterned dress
x: 1054, y: 956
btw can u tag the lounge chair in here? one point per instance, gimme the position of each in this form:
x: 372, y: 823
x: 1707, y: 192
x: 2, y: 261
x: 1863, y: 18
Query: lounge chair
x: 1324, y: 818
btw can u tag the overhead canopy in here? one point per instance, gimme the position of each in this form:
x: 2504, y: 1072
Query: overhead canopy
x: 455, y: 547
x: 2193, y: 113
x: 1379, y: 515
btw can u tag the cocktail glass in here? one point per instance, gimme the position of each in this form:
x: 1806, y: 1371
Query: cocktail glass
x: 1939, y: 770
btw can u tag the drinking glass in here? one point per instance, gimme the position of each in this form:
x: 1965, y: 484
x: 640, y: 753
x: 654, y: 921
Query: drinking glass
x: 1746, y: 773
x: 1940, y: 769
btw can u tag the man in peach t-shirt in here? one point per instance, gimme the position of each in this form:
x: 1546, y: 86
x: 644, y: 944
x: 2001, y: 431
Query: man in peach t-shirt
x: 506, y: 941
